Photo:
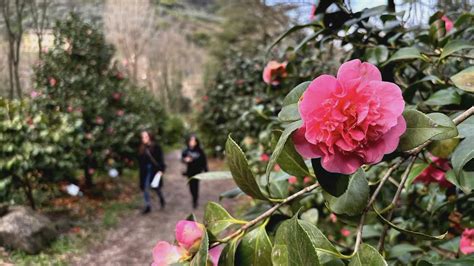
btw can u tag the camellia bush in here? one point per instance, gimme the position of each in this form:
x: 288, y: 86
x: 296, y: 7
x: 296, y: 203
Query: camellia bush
x: 381, y: 149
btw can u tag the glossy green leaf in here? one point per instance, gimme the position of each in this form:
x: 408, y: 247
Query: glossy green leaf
x: 415, y: 171
x: 465, y: 79
x: 367, y: 256
x: 279, y: 147
x: 228, y: 254
x: 200, y: 259
x: 293, y: 246
x: 354, y: 199
x: 454, y: 46
x: 240, y: 170
x: 230, y: 194
x: 421, y: 128
x: 319, y: 240
x: 407, y: 53
x: 444, y: 97
x: 402, y: 249
x: 464, y: 181
x: 296, y: 93
x: 409, y: 232
x: 466, y: 128
x: 462, y: 261
x: 217, y: 219
x: 376, y: 55
x: 333, y: 183
x: 290, y: 160
x: 289, y: 113
x: 215, y: 175
x: 255, y: 248
x: 462, y: 155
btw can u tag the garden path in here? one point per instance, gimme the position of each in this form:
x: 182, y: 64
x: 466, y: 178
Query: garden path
x: 132, y: 240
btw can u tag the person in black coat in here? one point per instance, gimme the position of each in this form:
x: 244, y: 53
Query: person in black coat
x: 195, y: 159
x: 150, y: 162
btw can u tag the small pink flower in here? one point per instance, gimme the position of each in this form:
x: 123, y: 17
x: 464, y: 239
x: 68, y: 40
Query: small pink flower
x: 467, y: 241
x: 165, y: 254
x: 69, y: 109
x: 345, y: 232
x: 120, y: 112
x: 52, y: 82
x: 448, y: 24
x: 436, y: 172
x: 89, y: 136
x: 215, y: 253
x: 99, y: 120
x: 205, y: 98
x: 350, y: 120
x: 276, y: 168
x: 34, y: 94
x: 292, y: 180
x: 313, y: 11
x: 333, y: 217
x: 264, y: 157
x: 308, y: 180
x: 274, y: 72
x: 189, y: 234
x: 116, y: 96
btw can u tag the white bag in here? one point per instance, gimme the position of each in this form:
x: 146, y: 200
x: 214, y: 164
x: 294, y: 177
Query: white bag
x: 156, y: 180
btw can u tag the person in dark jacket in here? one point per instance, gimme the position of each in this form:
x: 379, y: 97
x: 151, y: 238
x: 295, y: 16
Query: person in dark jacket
x: 195, y: 159
x: 150, y: 162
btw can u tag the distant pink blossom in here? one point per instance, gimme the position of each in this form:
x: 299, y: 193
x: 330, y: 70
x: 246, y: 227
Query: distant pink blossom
x: 350, y: 120
x: 52, y: 81
x: 333, y: 217
x: 277, y: 168
x: 215, y: 253
x: 116, y: 96
x: 345, y: 232
x: 436, y: 172
x: 448, y: 24
x: 70, y: 109
x: 308, y: 180
x: 292, y: 180
x: 189, y: 234
x: 34, y: 94
x: 274, y: 72
x: 165, y: 254
x: 99, y: 120
x: 120, y: 112
x: 264, y: 157
x: 466, y: 245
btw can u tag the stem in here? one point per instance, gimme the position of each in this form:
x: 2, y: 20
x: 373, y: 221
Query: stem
x: 268, y: 213
x: 395, y: 200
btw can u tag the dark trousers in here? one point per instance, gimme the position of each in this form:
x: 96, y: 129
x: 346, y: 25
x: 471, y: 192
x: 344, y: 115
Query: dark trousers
x: 146, y: 194
x: 194, y: 188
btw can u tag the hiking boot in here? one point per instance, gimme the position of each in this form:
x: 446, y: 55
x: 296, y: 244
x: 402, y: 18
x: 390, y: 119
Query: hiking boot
x: 146, y: 210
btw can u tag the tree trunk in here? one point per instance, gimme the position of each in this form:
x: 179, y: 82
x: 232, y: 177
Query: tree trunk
x: 391, y: 5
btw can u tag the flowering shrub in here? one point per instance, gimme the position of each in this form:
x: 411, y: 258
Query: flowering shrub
x: 367, y: 135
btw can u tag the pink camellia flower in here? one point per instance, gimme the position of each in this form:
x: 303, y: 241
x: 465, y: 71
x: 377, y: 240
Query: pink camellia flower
x: 189, y: 234
x: 350, y: 120
x: 467, y: 241
x: 120, y: 112
x: 276, y: 168
x: 345, y: 232
x: 70, y: 109
x: 448, y: 24
x: 52, y: 81
x: 333, y: 217
x: 99, y: 120
x: 435, y: 172
x: 116, y: 96
x: 292, y: 180
x: 274, y: 72
x: 34, y: 94
x: 165, y: 254
x: 264, y: 157
x: 215, y: 253
x: 308, y: 180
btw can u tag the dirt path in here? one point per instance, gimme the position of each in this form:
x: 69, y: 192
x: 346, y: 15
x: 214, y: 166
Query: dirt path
x: 132, y: 241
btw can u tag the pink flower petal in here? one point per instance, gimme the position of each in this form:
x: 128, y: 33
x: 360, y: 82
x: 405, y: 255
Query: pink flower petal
x: 189, y: 234
x: 466, y: 245
x: 303, y: 147
x: 215, y: 253
x: 358, y: 72
x: 166, y: 254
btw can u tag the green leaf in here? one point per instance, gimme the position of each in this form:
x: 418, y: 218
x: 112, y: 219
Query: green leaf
x: 295, y: 94
x: 217, y: 219
x: 422, y: 128
x: 228, y: 254
x: 465, y: 79
x: 240, y: 170
x: 462, y: 261
x: 333, y: 183
x: 215, y: 175
x: 415, y: 171
x: 290, y: 160
x: 367, y: 255
x: 319, y: 240
x: 255, y: 248
x: 289, y: 113
x: 230, y: 194
x: 354, y: 200
x: 454, y: 46
x: 444, y: 97
x: 464, y: 18
x: 377, y: 54
x: 406, y: 53
x: 413, y: 233
x: 293, y: 246
x: 280, y: 146
x: 462, y: 155
x: 200, y: 259
x: 402, y: 249
x: 466, y: 128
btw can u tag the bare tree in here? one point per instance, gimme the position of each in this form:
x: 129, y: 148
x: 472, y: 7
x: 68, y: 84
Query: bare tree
x: 13, y: 13
x: 39, y: 15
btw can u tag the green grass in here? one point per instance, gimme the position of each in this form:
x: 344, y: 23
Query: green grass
x: 113, y: 210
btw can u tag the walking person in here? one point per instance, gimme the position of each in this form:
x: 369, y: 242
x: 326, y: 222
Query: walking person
x: 195, y: 159
x: 150, y: 162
